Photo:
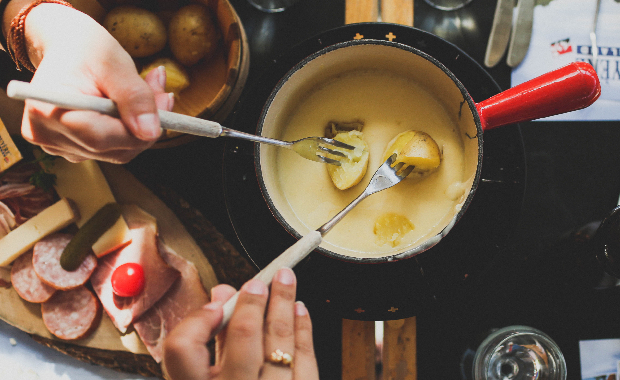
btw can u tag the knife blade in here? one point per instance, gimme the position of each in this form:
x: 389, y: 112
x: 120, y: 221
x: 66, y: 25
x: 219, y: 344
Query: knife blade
x: 593, y: 35
x: 500, y: 32
x: 521, y: 32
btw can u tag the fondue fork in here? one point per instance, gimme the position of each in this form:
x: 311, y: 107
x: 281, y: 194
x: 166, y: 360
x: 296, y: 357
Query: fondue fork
x: 312, y: 148
x: 384, y: 178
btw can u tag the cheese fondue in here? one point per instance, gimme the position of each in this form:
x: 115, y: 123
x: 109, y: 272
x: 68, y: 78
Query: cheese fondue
x: 387, y: 104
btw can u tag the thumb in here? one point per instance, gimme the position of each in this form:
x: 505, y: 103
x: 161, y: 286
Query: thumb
x: 186, y: 355
x: 136, y: 104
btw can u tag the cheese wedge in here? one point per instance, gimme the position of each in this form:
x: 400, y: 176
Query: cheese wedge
x: 52, y: 219
x: 85, y: 184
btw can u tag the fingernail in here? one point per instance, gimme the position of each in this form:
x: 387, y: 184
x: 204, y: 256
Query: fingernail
x: 213, y: 306
x: 162, y: 76
x: 300, y: 309
x: 148, y: 126
x: 255, y: 286
x: 170, y: 101
x: 285, y: 276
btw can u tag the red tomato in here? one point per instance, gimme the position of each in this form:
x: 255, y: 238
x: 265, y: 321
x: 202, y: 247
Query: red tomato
x: 128, y: 280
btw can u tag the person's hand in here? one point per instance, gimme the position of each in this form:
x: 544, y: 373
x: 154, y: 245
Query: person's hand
x: 73, y: 53
x: 244, y: 346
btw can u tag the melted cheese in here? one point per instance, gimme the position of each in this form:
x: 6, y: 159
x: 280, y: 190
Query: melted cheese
x: 388, y: 105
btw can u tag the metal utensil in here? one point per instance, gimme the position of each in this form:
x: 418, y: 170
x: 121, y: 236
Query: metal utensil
x: 506, y: 34
x: 385, y: 177
x: 312, y: 148
x: 593, y: 35
x: 521, y: 32
x: 500, y: 32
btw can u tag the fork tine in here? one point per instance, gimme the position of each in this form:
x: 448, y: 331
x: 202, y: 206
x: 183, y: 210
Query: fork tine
x: 328, y: 160
x: 405, y: 172
x: 337, y: 144
x: 398, y: 166
x: 331, y: 151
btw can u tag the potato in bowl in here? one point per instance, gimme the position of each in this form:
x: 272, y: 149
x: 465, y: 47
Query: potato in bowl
x: 207, y: 63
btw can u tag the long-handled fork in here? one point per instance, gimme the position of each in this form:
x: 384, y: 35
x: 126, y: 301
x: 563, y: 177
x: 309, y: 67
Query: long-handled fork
x: 385, y: 177
x: 312, y: 148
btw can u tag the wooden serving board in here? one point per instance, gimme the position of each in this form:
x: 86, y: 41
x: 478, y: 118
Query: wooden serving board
x: 106, y: 346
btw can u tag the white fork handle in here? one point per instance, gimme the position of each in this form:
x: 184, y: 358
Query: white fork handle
x: 287, y: 259
x: 169, y: 120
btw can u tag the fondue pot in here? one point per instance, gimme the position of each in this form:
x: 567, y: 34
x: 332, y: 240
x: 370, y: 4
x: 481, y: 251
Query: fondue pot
x: 385, y: 289
x: 569, y: 88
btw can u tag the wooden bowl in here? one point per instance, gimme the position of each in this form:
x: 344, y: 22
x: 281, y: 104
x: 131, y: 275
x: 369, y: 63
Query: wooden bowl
x: 215, y: 83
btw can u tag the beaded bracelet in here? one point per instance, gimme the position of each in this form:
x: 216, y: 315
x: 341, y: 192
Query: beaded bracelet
x: 16, y: 39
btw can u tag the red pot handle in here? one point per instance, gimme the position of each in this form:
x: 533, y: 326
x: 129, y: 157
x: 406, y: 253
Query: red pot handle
x: 566, y: 89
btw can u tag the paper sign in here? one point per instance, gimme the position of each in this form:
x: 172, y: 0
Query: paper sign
x: 561, y: 35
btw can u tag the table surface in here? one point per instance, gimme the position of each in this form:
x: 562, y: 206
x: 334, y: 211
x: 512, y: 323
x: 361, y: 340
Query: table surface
x: 572, y: 179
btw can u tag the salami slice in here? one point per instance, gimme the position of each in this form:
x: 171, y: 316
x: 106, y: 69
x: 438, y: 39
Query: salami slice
x: 46, y: 261
x: 72, y: 314
x: 26, y: 282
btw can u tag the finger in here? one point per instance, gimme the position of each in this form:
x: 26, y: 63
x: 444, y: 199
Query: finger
x: 242, y: 356
x: 280, y: 324
x: 156, y: 79
x: 135, y: 101
x: 305, y: 360
x: 84, y: 133
x: 221, y: 293
x: 185, y: 355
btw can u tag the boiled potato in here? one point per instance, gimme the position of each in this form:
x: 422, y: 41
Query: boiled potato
x: 353, y: 168
x: 177, y: 78
x: 139, y: 31
x: 415, y: 148
x: 390, y: 228
x: 192, y: 34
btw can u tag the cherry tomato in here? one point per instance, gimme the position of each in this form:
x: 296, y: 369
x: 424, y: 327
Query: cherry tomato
x: 128, y: 280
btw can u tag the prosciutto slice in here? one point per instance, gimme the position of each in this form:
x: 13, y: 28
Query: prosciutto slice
x: 159, y: 276
x: 22, y: 198
x: 186, y: 295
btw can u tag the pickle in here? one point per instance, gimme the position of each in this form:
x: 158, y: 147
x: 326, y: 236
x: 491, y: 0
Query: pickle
x: 81, y: 245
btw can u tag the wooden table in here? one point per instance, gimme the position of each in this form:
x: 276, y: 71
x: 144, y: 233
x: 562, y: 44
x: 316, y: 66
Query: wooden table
x: 359, y: 346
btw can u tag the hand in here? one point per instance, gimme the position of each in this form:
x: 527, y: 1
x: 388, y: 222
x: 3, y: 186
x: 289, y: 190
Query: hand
x: 73, y: 53
x: 242, y: 348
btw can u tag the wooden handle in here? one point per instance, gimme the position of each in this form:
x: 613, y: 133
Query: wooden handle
x: 287, y: 259
x: 169, y: 120
x: 392, y: 11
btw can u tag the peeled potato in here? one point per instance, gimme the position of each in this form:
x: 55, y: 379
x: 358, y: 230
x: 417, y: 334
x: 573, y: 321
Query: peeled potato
x: 177, y: 78
x: 390, y: 228
x: 352, y: 170
x: 140, y: 32
x: 415, y: 148
x: 192, y: 34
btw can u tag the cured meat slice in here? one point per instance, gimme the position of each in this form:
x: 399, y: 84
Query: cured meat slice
x: 158, y: 275
x: 186, y: 295
x: 72, y: 314
x: 26, y: 282
x: 46, y: 261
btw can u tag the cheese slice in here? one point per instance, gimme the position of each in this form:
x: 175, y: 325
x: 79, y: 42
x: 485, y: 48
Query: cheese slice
x: 52, y: 219
x: 85, y: 184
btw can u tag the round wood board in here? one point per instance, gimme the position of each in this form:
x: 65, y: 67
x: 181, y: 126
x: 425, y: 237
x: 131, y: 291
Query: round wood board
x: 182, y: 228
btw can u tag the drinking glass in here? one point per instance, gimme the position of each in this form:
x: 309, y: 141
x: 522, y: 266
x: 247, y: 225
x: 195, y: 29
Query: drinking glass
x: 272, y: 6
x: 518, y: 353
x: 448, y: 5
